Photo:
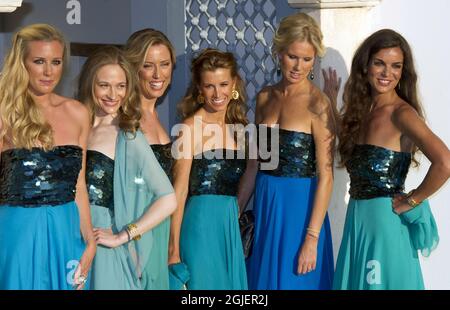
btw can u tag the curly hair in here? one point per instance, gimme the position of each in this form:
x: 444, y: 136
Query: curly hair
x: 298, y: 27
x: 211, y: 59
x: 129, y: 112
x: 357, y: 93
x: 21, y: 118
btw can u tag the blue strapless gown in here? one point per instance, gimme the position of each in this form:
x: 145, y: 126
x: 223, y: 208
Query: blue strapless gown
x: 210, y: 240
x: 40, y: 238
x: 283, y: 204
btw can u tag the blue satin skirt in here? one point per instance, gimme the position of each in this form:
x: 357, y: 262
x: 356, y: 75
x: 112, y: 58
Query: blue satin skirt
x: 282, y: 208
x: 40, y: 247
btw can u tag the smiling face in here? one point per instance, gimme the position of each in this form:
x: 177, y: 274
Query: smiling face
x: 155, y: 74
x: 385, y: 70
x: 296, y: 61
x: 44, y: 63
x: 110, y: 88
x: 216, y: 86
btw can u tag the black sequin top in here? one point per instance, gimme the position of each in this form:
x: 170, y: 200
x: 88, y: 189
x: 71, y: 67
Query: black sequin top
x: 377, y: 172
x: 31, y: 178
x: 99, y: 179
x: 217, y: 172
x: 296, y: 153
x: 164, y: 156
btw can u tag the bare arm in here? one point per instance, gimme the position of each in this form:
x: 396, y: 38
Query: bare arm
x: 181, y: 172
x: 414, y: 128
x: 82, y: 202
x: 247, y: 184
x: 159, y: 210
x: 323, y: 130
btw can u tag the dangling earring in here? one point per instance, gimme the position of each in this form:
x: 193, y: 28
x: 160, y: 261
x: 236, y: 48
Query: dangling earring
x: 200, y: 99
x: 398, y: 86
x: 311, y: 75
x: 235, y: 94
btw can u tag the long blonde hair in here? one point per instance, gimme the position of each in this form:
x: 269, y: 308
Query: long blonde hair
x: 22, y: 121
x: 129, y: 112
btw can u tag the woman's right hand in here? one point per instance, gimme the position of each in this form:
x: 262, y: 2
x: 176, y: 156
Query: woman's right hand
x: 106, y: 237
x: 174, y: 256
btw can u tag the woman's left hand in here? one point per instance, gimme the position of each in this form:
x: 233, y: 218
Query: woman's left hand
x: 308, y: 255
x: 106, y: 237
x: 82, y: 271
x: 399, y: 204
x: 332, y: 84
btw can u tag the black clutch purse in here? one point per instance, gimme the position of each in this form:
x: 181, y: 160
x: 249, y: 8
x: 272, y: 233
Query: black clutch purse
x: 247, y: 227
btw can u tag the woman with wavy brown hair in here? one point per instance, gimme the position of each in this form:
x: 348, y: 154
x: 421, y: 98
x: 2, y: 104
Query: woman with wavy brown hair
x: 108, y: 86
x: 382, y: 127
x: 43, y: 200
x: 210, y: 160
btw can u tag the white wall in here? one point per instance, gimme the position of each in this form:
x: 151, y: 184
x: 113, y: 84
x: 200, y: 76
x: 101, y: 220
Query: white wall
x: 426, y: 25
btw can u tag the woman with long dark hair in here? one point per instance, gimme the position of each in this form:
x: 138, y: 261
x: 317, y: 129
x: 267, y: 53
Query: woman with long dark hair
x: 382, y: 128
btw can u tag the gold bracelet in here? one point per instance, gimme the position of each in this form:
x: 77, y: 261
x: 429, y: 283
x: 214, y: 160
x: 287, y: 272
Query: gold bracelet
x: 313, y: 232
x: 133, y: 232
x: 410, y: 201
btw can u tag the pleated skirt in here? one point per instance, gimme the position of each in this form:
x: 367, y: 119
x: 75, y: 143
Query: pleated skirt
x: 40, y: 247
x: 210, y: 244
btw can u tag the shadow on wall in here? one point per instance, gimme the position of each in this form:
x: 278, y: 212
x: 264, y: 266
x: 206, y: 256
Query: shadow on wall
x: 339, y: 199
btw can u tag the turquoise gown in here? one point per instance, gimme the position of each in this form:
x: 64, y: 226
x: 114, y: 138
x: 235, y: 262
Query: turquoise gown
x: 210, y: 241
x: 379, y: 249
x: 111, y: 268
x: 156, y: 276
x: 40, y: 238
x: 283, y: 204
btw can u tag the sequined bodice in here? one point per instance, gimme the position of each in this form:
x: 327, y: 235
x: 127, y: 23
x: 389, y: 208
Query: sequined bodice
x: 99, y: 179
x: 217, y: 172
x: 164, y: 156
x: 34, y: 177
x: 377, y: 172
x: 296, y: 153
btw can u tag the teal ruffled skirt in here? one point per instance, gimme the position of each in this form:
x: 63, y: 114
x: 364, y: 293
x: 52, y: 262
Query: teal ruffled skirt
x: 379, y: 249
x: 210, y: 244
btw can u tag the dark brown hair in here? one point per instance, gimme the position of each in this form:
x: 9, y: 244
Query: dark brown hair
x: 357, y: 92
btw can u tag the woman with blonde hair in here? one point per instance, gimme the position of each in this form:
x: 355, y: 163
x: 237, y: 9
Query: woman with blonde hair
x: 204, y: 229
x: 292, y: 247
x: 43, y: 199
x: 152, y: 57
